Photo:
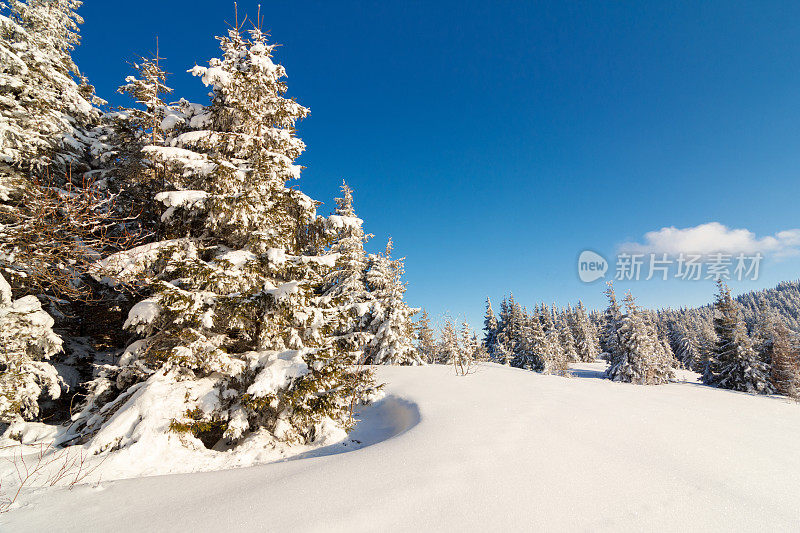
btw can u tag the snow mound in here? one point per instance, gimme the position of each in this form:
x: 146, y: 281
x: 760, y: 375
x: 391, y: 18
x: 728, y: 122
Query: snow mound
x: 500, y: 449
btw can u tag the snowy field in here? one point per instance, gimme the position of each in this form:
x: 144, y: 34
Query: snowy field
x: 500, y: 449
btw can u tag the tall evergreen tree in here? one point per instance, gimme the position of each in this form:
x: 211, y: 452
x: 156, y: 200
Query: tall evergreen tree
x: 234, y: 293
x: 47, y: 107
x: 426, y: 341
x: 707, y: 341
x: 764, y: 332
x: 469, y: 351
x: 127, y: 131
x: 345, y: 285
x: 55, y: 219
x: 503, y: 354
x: 521, y: 357
x: 490, y: 328
x: 391, y: 316
x: 686, y: 339
x: 785, y: 362
x: 585, y: 336
x: 773, y: 344
x: 533, y: 353
x: 734, y: 363
x: 567, y: 340
x: 555, y: 359
x: 509, y: 331
x: 449, y: 349
x: 49, y: 206
x: 480, y: 355
x: 639, y: 357
x: 27, y: 342
x: 609, y: 338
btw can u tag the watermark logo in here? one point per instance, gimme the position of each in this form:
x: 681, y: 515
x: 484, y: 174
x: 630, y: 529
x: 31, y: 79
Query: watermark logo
x: 692, y: 267
x: 591, y: 266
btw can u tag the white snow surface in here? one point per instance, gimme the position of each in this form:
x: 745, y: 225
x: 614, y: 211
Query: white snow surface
x: 500, y: 449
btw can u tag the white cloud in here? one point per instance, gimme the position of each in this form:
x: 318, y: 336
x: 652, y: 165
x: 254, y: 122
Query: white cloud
x: 714, y: 237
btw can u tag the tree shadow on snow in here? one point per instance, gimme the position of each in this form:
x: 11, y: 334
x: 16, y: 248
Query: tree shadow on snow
x: 387, y: 418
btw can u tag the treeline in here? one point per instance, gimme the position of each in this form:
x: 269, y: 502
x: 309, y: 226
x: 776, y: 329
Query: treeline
x: 453, y: 346
x: 745, y: 344
x: 783, y: 301
x: 756, y: 321
x: 544, y: 340
x: 748, y: 343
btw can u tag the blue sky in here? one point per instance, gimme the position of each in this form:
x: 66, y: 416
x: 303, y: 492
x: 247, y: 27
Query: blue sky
x: 494, y: 141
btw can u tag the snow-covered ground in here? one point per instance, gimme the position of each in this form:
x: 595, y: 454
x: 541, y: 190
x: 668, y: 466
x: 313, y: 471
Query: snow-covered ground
x: 500, y: 449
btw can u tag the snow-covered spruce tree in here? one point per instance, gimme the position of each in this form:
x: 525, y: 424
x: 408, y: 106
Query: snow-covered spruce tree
x: 774, y: 345
x: 504, y: 349
x: 47, y: 109
x: 490, y: 329
x: 734, y: 364
x: 466, y: 338
x: 466, y: 356
x: 509, y: 332
x: 345, y: 286
x: 663, y: 362
x: 609, y: 337
x: 47, y: 106
x: 785, y: 362
x: 585, y: 336
x: 555, y: 359
x: 763, y: 336
x: 391, y: 325
x: 27, y: 342
x: 479, y: 354
x: 54, y: 219
x: 125, y: 134
x: 567, y: 340
x: 685, y: 338
x: 234, y: 329
x: 639, y: 357
x: 426, y: 341
x: 521, y: 357
x: 503, y: 353
x: 448, y: 349
x: 666, y: 353
x: 706, y: 343
x: 533, y: 353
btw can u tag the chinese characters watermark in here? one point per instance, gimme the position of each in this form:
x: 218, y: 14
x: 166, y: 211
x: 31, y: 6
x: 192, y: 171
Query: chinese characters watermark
x: 690, y: 267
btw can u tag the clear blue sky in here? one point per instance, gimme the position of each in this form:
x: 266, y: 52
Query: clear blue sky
x: 494, y: 141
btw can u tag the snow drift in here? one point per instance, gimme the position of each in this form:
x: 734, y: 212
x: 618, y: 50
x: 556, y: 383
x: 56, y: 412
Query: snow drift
x: 498, y: 449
